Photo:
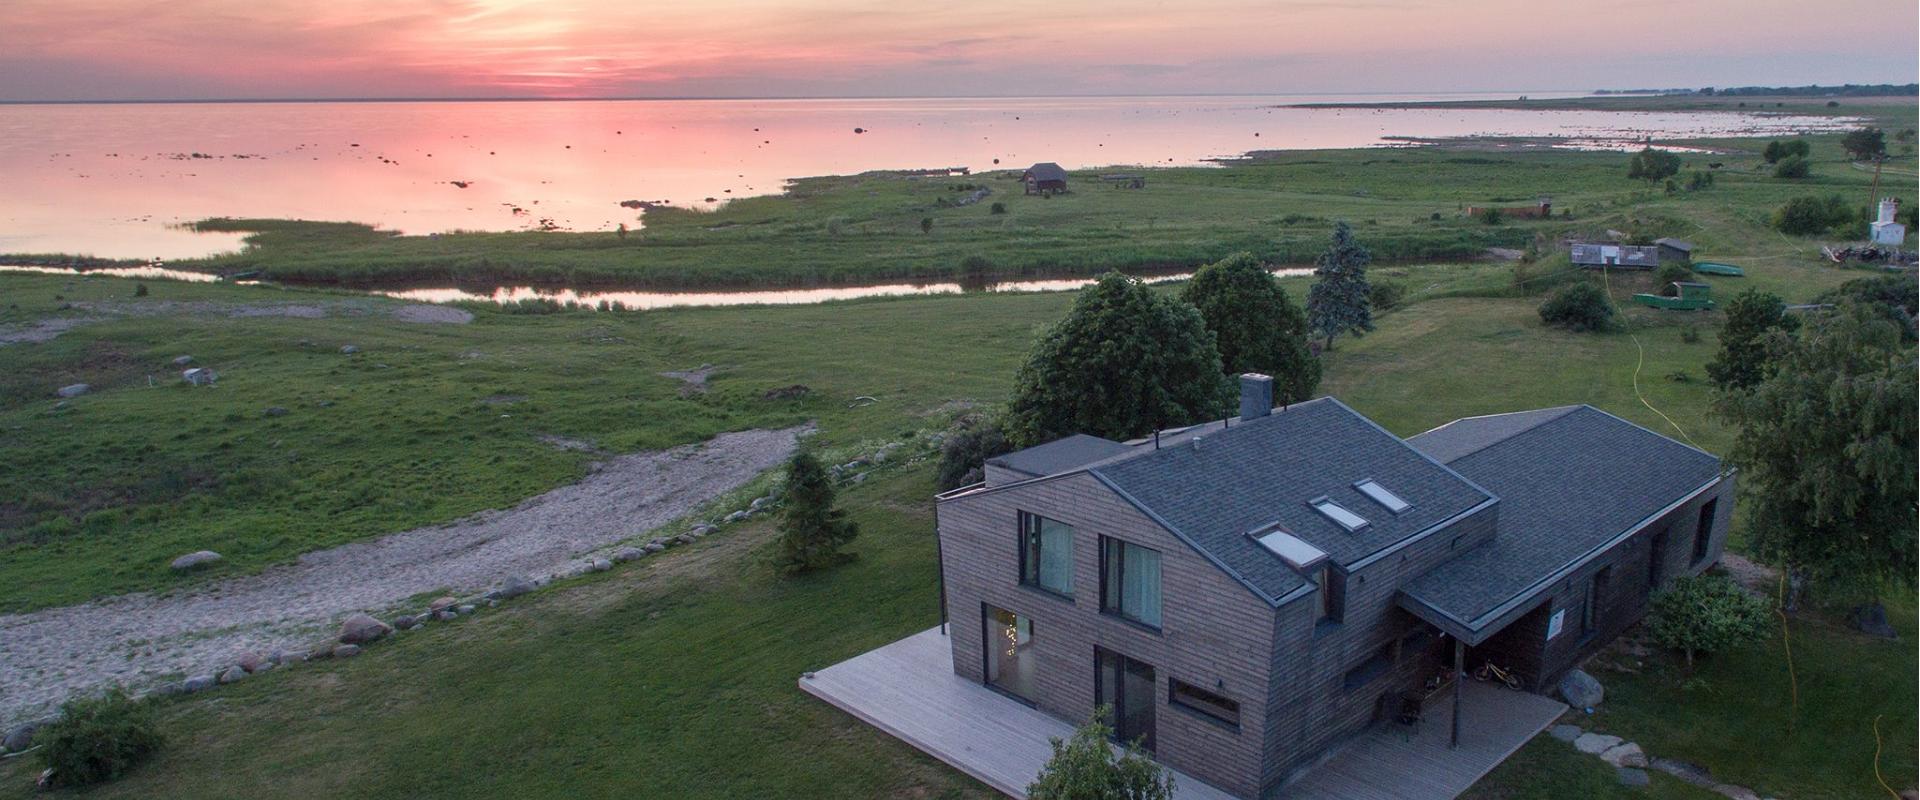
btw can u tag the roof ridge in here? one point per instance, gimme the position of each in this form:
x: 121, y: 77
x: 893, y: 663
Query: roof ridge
x: 1565, y: 411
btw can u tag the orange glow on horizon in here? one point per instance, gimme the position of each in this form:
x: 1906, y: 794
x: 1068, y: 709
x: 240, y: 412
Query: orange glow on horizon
x: 597, y: 48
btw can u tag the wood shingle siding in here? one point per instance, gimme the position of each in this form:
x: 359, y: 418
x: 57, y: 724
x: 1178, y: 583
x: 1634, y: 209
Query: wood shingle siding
x: 1215, y: 633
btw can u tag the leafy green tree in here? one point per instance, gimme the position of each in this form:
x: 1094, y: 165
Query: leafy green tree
x: 1777, y: 149
x: 1085, y: 768
x: 1255, y: 325
x: 1809, y: 216
x: 1653, y: 166
x: 1792, y: 167
x: 1579, y: 306
x: 926, y: 224
x: 1698, y: 180
x: 1705, y: 614
x: 1827, y: 444
x: 1340, y: 300
x: 1125, y: 361
x: 811, y: 529
x: 98, y: 738
x: 1896, y: 297
x: 1865, y: 144
x: 964, y: 454
x: 1742, y: 360
x: 1490, y: 216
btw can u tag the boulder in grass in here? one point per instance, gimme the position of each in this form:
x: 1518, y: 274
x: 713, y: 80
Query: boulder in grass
x: 599, y: 565
x: 1565, y: 733
x: 198, y: 683
x: 654, y: 547
x: 349, y: 349
x: 346, y: 651
x: 1629, y: 776
x: 181, y: 361
x: 465, y: 609
x: 514, y: 587
x: 234, y: 674
x: 195, y: 560
x: 1581, y: 690
x: 441, y: 604
x: 250, y: 661
x: 20, y: 736
x: 625, y: 554
x: 405, y: 622
x: 361, y: 629
x: 73, y: 390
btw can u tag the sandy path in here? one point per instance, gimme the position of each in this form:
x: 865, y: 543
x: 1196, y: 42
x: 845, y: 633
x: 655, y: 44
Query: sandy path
x: 134, y: 639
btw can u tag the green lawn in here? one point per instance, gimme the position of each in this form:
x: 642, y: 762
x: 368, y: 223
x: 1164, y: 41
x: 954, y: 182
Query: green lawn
x: 674, y: 677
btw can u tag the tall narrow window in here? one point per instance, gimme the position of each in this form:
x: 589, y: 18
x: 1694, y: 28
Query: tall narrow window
x: 1130, y: 581
x: 1009, y: 652
x: 1046, y: 554
x: 1596, y: 590
x: 1333, y: 594
x: 1703, y: 534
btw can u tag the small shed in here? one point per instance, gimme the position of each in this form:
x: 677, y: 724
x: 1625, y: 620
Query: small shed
x: 1595, y: 255
x: 1045, y: 177
x: 1676, y: 251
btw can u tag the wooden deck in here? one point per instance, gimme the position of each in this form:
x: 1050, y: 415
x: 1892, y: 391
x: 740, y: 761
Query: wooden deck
x: 1396, y: 762
x: 908, y: 689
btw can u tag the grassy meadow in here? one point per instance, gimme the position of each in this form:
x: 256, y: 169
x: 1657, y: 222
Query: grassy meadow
x: 674, y: 676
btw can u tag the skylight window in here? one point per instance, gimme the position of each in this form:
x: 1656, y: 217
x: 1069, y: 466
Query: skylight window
x: 1381, y: 495
x: 1339, y: 514
x: 1291, y: 549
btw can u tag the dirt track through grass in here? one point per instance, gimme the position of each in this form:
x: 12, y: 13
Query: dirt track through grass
x: 137, y: 638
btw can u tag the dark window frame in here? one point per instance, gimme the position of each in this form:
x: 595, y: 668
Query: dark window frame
x: 986, y: 651
x: 1703, y: 531
x: 1590, y: 613
x: 1217, y: 715
x: 1330, y: 597
x: 1112, y: 602
x: 1122, y: 664
x: 1029, y: 540
x: 1376, y: 664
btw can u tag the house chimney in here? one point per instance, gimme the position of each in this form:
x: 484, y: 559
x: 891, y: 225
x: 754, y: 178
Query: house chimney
x: 1256, y: 395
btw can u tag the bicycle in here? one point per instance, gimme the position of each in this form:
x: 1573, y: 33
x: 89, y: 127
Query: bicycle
x: 1489, y: 672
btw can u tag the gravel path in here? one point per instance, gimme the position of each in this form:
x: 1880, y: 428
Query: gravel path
x: 134, y: 639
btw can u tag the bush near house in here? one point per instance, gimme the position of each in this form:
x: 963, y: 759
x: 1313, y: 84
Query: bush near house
x: 1085, y: 768
x: 98, y: 739
x: 1577, y: 307
x: 1810, y: 216
x: 1668, y: 274
x: 1705, y: 614
x: 1792, y: 167
x: 963, y: 457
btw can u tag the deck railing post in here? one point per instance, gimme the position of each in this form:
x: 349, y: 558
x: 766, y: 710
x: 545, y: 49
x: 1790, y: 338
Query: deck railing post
x: 1459, y: 686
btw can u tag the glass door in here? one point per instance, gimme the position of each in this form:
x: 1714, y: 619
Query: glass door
x: 1127, y: 687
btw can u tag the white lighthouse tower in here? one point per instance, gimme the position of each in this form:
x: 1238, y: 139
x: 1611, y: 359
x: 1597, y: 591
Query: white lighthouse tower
x: 1885, y: 230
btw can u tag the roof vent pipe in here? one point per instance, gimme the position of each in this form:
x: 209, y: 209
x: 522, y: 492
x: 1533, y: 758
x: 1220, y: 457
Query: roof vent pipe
x: 1256, y: 395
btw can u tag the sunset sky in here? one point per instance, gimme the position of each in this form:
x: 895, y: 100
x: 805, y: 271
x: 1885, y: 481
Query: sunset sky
x: 165, y: 49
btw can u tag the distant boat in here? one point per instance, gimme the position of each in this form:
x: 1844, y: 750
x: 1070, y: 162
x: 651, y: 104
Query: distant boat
x: 1715, y: 268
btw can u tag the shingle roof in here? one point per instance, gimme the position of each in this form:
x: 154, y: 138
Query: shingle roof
x: 1259, y: 472
x: 1567, y: 485
x: 1060, y: 455
x: 1677, y: 244
x: 1046, y: 171
x: 1471, y: 434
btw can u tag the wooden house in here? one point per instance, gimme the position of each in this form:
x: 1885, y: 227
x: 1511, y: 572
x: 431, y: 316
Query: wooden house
x: 1045, y: 177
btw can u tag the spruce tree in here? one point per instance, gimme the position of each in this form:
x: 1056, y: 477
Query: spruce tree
x: 1255, y: 325
x: 1339, y: 301
x: 811, y: 529
x: 1126, y: 360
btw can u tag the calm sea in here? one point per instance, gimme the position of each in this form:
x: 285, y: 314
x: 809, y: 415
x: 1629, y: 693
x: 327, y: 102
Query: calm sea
x: 115, y: 180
